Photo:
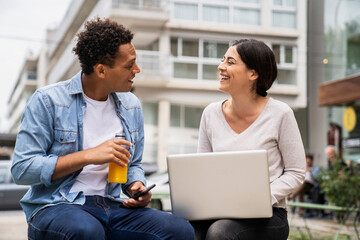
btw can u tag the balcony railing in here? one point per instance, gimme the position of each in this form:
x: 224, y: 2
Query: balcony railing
x: 153, y: 63
x: 152, y: 5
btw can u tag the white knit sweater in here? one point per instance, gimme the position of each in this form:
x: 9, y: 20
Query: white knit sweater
x: 275, y: 130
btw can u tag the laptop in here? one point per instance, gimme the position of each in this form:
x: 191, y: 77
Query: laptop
x: 220, y: 185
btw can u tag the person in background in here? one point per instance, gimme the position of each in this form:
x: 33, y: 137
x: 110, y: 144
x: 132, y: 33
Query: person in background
x: 334, y: 137
x: 332, y: 156
x: 309, y: 183
x: 330, y: 153
x: 251, y: 121
x: 66, y: 142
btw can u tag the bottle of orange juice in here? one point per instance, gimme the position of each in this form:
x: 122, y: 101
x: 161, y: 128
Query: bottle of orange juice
x: 117, y: 173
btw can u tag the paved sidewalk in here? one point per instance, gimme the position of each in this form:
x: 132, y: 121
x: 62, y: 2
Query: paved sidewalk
x: 326, y: 227
x: 13, y: 225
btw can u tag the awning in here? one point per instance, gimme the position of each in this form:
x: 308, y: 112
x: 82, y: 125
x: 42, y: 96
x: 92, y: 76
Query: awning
x: 339, y: 92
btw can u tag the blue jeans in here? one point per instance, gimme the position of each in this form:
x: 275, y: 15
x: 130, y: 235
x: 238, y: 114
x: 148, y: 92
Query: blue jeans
x: 100, y: 218
x: 274, y: 228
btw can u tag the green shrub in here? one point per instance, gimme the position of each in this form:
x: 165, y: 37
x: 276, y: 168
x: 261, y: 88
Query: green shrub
x: 341, y: 187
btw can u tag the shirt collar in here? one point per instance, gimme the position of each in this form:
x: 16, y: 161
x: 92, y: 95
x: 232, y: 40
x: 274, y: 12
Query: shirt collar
x: 76, y: 88
x: 76, y: 84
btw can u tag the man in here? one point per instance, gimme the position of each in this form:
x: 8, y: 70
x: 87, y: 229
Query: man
x: 66, y: 142
x: 309, y: 183
x: 332, y: 157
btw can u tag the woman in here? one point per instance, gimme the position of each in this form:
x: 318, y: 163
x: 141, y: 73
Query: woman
x: 249, y: 121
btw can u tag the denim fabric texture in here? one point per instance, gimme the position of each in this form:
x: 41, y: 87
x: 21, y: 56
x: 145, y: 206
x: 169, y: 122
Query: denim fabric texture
x: 52, y: 126
x: 100, y: 218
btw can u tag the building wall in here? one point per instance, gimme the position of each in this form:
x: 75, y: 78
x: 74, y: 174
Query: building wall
x: 342, y: 51
x: 182, y: 43
x: 316, y: 115
x: 179, y: 45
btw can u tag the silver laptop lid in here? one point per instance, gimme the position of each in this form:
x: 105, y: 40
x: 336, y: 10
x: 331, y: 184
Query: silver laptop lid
x: 220, y: 185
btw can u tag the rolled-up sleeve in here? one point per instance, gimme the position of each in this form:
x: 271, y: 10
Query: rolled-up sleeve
x: 31, y: 164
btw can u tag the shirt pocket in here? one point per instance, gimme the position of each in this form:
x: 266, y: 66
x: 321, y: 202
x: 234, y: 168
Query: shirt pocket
x: 65, y: 141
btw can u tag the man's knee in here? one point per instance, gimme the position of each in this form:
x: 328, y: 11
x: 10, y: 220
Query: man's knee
x: 185, y: 230
x: 174, y: 227
x: 178, y: 228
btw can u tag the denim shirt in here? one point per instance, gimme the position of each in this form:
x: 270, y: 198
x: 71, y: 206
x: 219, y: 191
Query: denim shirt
x: 52, y: 126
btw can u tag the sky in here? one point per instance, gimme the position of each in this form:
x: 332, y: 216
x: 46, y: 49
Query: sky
x: 23, y: 25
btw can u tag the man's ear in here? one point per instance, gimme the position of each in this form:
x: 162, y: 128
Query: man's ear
x: 100, y: 70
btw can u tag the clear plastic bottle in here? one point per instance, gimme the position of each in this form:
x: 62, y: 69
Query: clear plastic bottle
x: 117, y: 173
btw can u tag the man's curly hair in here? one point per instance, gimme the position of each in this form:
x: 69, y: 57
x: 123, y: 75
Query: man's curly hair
x: 99, y: 43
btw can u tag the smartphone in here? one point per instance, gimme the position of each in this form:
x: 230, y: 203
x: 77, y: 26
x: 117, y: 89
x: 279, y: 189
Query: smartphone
x: 144, y: 192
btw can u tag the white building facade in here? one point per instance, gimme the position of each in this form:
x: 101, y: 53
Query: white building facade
x: 179, y: 45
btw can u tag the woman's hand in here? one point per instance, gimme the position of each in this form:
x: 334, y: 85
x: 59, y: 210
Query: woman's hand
x: 142, y: 201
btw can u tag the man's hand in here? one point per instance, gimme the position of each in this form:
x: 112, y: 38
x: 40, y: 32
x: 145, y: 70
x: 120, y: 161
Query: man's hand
x: 133, y: 189
x: 109, y: 151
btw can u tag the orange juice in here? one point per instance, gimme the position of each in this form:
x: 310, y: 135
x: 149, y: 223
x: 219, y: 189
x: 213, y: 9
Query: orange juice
x: 117, y: 173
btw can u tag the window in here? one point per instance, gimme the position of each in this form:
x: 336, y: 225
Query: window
x: 216, y: 14
x: 192, y: 117
x: 285, y: 3
x: 184, y: 125
x: 210, y: 72
x: 31, y: 75
x: 214, y: 49
x: 174, y: 46
x: 288, y: 54
x: 186, y: 11
x: 175, y: 115
x: 284, y: 20
x: 286, y: 61
x: 276, y: 50
x: 185, y: 70
x: 246, y: 16
x: 197, y: 59
x: 286, y: 76
x: 185, y: 116
x: 137, y: 4
x: 248, y: 1
x: 150, y: 112
x: 190, y: 48
x: 284, y: 55
x: 284, y: 14
x: 285, y: 58
x: 242, y: 12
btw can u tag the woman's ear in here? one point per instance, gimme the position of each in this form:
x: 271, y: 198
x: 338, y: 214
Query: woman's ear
x: 253, y: 75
